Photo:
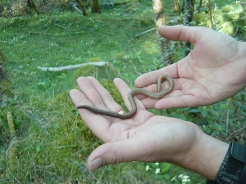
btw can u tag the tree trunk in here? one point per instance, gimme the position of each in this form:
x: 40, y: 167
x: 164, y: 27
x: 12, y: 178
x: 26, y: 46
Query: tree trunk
x: 183, y: 6
x: 188, y: 9
x: 203, y: 4
x: 83, y: 7
x: 210, y: 14
x: 200, y: 5
x: 31, y: 7
x: 175, y: 6
x: 5, y: 84
x: 95, y: 6
x: 159, y: 12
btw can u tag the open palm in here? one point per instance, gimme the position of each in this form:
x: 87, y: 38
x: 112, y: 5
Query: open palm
x: 214, y: 70
x: 138, y: 138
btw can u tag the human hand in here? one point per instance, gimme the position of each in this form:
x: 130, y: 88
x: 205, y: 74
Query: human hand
x: 213, y: 71
x: 145, y: 137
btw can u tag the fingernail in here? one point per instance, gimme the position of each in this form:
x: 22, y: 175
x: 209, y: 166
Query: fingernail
x: 98, y: 162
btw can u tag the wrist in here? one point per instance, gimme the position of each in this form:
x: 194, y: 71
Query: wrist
x: 207, y: 157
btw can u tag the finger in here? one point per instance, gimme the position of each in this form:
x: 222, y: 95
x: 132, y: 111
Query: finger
x: 124, y: 89
x: 153, y: 87
x: 185, y: 93
x: 182, y: 33
x: 79, y: 98
x: 97, y: 124
x: 183, y: 98
x: 116, y: 152
x: 97, y: 94
x: 177, y: 102
x: 149, y: 102
x: 90, y: 92
x: 152, y: 77
x: 107, y: 99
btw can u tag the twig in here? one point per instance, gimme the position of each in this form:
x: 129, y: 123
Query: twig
x: 47, y: 30
x: 82, y: 166
x: 210, y: 14
x: 235, y: 32
x: 135, y: 70
x: 227, y: 117
x: 185, y: 46
x: 42, y: 125
x: 87, y: 28
x: 71, y: 67
x: 37, y: 33
x: 137, y: 35
x: 58, y: 147
x: 13, y: 176
x: 75, y: 7
x: 116, y: 18
x: 227, y: 120
x: 237, y: 131
x: 61, y: 26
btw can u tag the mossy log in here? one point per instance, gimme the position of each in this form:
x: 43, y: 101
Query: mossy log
x: 83, y: 7
x: 12, y: 145
x: 95, y: 6
x: 31, y: 7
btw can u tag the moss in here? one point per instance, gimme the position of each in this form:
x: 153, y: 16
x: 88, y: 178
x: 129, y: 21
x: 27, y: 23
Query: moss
x: 120, y: 57
x: 228, y: 28
x: 69, y: 119
x: 201, y: 19
x: 65, y: 135
x: 6, y: 87
x: 227, y: 17
x: 110, y: 86
x: 3, y: 57
x: 84, y: 71
x: 225, y: 9
x: 71, y: 114
x: 101, y: 73
x: 95, y: 60
x: 69, y: 136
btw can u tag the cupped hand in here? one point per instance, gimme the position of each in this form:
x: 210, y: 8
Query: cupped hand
x: 213, y: 71
x: 144, y: 137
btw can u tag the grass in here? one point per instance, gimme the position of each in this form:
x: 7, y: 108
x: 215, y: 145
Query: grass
x: 68, y: 38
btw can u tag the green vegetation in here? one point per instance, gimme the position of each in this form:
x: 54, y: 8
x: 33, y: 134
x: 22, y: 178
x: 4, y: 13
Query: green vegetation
x: 54, y: 142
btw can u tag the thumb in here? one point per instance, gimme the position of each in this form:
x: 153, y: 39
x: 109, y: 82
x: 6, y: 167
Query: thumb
x: 113, y: 153
x: 182, y: 33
